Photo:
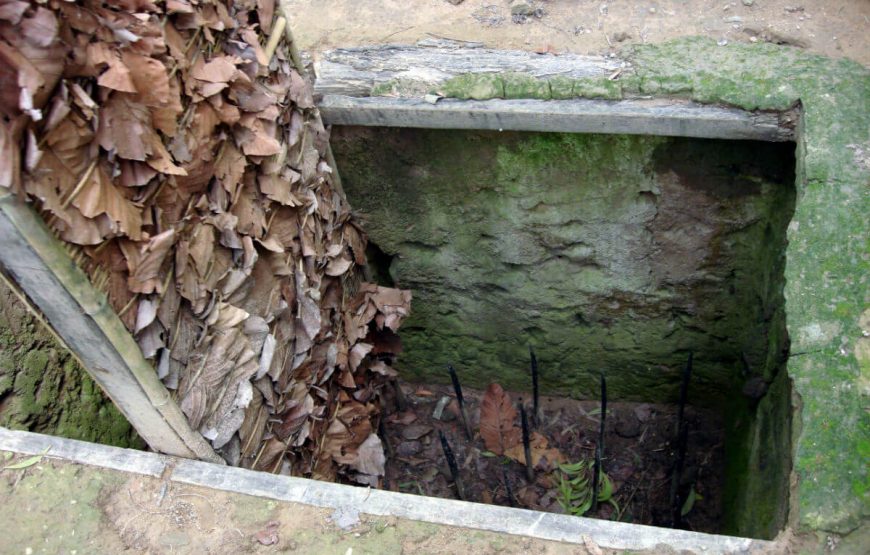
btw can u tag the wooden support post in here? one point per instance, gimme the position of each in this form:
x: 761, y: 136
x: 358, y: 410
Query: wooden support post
x: 36, y: 262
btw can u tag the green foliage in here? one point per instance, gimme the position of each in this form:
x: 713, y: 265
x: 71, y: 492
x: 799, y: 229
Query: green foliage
x: 690, y: 501
x: 575, y: 488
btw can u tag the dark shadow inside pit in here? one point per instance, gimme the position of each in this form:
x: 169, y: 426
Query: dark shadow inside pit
x: 608, y: 253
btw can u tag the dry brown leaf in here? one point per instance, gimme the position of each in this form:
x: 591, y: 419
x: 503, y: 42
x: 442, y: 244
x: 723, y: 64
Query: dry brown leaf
x: 497, y: 415
x: 12, y: 10
x: 125, y: 127
x: 338, y: 266
x: 538, y: 449
x: 150, y: 79
x: 160, y: 158
x: 99, y: 196
x: 117, y: 75
x: 220, y: 69
x: 145, y: 269
x: 370, y: 457
x: 278, y: 190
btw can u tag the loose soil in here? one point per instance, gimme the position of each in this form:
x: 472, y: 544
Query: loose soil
x: 640, y: 454
x: 836, y: 28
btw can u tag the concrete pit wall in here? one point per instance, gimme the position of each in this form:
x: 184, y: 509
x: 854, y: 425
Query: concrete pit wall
x: 607, y: 253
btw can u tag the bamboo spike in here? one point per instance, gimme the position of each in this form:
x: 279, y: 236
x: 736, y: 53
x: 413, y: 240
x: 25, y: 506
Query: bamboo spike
x: 275, y: 37
x: 451, y: 464
x: 508, y: 488
x: 682, y: 441
x: 134, y: 383
x: 458, y: 390
x: 535, y: 406
x: 401, y: 400
x: 599, y: 449
x: 527, y: 444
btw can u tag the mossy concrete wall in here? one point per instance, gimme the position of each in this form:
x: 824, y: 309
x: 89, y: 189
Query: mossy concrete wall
x: 827, y: 272
x: 607, y: 253
x: 43, y: 388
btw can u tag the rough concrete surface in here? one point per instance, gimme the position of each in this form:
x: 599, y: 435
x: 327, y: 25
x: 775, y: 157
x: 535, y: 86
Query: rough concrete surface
x: 607, y: 253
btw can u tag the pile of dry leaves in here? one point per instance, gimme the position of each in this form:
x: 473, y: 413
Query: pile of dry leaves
x: 183, y: 156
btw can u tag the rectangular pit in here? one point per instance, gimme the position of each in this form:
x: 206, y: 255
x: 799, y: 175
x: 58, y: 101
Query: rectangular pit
x: 611, y: 253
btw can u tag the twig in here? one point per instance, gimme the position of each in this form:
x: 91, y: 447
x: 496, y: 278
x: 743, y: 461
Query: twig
x: 81, y: 184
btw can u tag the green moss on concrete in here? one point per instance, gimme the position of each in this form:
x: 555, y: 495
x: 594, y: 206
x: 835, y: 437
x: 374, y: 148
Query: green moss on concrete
x: 597, y: 88
x: 828, y: 270
x: 43, y: 389
x: 518, y: 85
x: 508, y: 239
x: 482, y: 86
x: 758, y: 448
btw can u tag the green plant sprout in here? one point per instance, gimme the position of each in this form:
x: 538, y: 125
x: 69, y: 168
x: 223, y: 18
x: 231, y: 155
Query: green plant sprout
x: 575, y: 488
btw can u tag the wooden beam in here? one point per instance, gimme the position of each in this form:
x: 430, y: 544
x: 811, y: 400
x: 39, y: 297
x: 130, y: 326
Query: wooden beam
x: 348, y: 78
x: 356, y: 71
x: 675, y: 118
x: 39, y: 265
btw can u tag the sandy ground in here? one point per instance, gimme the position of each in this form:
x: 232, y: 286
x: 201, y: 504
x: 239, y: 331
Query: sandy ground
x: 836, y: 28
x: 64, y: 508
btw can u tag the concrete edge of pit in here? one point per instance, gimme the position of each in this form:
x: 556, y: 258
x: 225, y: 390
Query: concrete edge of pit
x: 447, y: 512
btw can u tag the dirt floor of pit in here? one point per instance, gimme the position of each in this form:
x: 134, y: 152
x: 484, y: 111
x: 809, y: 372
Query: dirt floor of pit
x: 836, y: 28
x: 639, y: 456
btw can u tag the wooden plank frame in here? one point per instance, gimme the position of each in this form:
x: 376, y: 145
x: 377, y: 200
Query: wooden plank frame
x: 347, y: 81
x: 674, y: 118
x: 36, y: 262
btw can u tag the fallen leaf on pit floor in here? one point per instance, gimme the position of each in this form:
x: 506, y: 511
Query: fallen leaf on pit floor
x: 416, y: 431
x: 269, y: 534
x: 422, y: 392
x: 539, y: 451
x: 402, y: 418
x: 528, y: 497
x: 497, y: 415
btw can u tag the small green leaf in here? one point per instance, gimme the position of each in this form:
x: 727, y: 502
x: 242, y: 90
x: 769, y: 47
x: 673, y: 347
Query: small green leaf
x: 488, y: 454
x: 606, y: 488
x: 26, y: 462
x: 690, y: 501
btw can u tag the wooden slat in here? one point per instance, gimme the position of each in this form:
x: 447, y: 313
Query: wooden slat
x: 38, y: 264
x: 637, y: 117
x: 356, y: 71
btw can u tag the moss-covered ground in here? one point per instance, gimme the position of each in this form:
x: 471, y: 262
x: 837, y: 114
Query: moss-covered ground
x: 43, y: 388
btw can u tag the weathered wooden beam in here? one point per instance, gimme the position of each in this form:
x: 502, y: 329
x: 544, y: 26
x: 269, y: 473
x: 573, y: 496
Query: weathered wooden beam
x: 357, y: 71
x: 675, y: 118
x: 39, y: 265
x: 386, y: 85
